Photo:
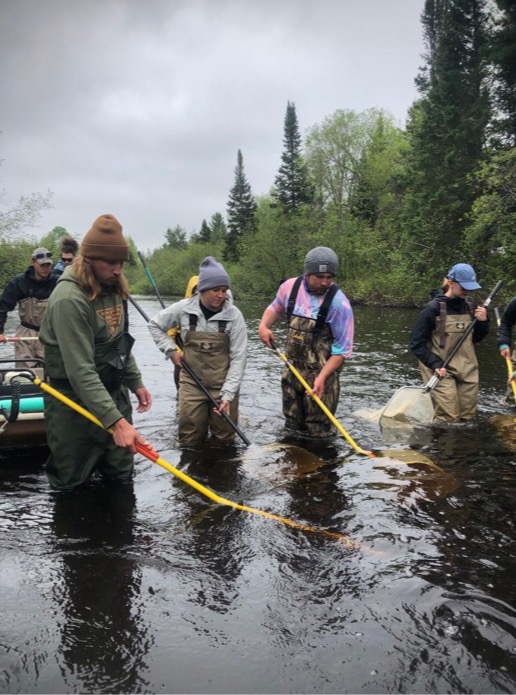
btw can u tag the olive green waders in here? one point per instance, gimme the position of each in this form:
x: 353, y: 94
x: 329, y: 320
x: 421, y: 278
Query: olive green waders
x: 308, y: 353
x: 79, y: 447
x: 455, y: 397
x: 208, y: 355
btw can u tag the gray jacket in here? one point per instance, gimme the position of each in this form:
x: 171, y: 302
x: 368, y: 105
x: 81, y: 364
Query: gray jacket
x: 177, y: 315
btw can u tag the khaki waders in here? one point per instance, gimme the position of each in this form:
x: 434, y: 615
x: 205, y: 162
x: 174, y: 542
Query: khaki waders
x: 31, y: 311
x: 456, y: 395
x: 208, y: 355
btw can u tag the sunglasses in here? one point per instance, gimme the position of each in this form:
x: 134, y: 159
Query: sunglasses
x: 66, y: 260
x: 38, y: 256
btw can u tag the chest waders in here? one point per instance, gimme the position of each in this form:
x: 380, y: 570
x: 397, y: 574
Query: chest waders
x: 308, y: 348
x: 78, y: 448
x: 207, y: 353
x: 31, y: 311
x: 455, y: 397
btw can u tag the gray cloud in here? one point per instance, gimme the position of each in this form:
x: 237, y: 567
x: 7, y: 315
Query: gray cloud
x: 139, y: 108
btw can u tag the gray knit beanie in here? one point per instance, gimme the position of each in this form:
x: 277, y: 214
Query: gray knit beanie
x: 211, y: 274
x: 321, y: 260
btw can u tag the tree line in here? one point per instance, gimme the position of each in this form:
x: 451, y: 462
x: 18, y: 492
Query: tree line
x: 399, y: 205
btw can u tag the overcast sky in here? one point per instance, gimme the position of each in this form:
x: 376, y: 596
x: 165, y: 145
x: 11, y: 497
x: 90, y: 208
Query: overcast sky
x: 138, y: 107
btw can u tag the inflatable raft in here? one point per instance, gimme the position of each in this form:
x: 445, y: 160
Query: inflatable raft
x: 22, y: 421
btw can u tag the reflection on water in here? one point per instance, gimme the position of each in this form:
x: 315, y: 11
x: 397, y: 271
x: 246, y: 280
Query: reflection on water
x: 154, y: 588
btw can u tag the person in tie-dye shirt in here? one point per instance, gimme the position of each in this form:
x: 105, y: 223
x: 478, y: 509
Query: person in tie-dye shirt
x: 319, y: 339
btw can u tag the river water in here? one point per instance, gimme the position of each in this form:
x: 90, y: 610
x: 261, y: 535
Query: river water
x: 154, y: 588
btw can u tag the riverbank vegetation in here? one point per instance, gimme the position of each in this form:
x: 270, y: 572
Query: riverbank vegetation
x: 399, y: 204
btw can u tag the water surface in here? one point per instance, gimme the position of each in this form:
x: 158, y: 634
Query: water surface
x: 153, y: 588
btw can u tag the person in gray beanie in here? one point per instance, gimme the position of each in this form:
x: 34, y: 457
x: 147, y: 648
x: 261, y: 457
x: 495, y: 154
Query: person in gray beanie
x: 319, y: 340
x: 214, y: 337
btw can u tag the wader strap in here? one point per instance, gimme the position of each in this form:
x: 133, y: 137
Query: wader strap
x: 323, y: 310
x: 471, y: 307
x: 126, y: 316
x: 442, y: 324
x: 29, y: 325
x: 193, y: 323
x: 293, y: 296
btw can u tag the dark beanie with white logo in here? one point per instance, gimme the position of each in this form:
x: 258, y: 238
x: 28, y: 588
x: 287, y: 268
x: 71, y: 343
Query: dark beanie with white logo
x: 321, y: 260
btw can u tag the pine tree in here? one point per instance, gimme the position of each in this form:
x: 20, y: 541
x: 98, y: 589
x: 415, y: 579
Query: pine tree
x: 447, y: 127
x: 218, y: 228
x: 292, y: 189
x: 176, y: 238
x: 241, y: 212
x: 503, y: 54
x: 205, y: 233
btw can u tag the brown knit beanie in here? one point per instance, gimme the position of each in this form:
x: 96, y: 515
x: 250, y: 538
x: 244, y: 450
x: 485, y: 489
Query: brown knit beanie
x: 105, y: 241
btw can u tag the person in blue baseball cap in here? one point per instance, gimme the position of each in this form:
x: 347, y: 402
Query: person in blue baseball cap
x: 464, y: 275
x: 437, y: 330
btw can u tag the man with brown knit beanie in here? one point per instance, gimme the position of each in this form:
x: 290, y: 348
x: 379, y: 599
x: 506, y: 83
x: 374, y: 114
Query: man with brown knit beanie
x: 88, y: 359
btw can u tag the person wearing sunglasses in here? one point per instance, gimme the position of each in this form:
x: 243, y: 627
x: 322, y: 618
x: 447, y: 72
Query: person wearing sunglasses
x: 69, y: 248
x: 29, y: 291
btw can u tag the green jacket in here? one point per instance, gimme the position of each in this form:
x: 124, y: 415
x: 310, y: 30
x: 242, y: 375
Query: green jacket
x: 85, y: 345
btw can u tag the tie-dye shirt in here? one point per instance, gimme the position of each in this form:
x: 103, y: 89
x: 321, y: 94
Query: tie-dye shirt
x: 340, y: 314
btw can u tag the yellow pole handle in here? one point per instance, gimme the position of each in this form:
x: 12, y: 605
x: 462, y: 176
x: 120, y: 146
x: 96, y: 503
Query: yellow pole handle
x: 153, y: 456
x: 321, y: 405
x: 510, y: 372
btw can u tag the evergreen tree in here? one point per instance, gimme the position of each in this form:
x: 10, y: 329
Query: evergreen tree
x: 292, y: 188
x: 447, y: 127
x: 241, y: 212
x: 176, y: 238
x: 218, y: 228
x: 205, y: 233
x: 503, y: 54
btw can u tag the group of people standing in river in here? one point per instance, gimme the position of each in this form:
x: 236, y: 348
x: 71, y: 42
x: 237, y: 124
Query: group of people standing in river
x: 84, y: 328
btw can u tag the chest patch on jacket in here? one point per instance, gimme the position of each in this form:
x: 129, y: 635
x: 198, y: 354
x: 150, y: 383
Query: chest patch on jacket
x: 112, y: 317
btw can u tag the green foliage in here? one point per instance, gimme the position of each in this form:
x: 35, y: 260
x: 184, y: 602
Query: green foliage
x: 14, y: 259
x: 205, y: 233
x: 292, y: 187
x: 447, y: 127
x: 241, y: 212
x: 218, y: 229
x: 176, y: 238
x: 503, y: 54
x: 334, y: 151
x: 489, y: 238
x: 52, y: 239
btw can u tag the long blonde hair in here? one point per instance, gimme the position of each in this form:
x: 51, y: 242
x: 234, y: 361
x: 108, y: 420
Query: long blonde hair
x: 86, y: 279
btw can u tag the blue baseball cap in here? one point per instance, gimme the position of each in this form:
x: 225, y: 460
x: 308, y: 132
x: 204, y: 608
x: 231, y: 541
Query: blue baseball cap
x: 464, y: 275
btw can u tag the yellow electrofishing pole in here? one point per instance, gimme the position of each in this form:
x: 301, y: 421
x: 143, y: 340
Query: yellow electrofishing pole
x: 321, y: 405
x: 153, y: 456
x: 507, y: 360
